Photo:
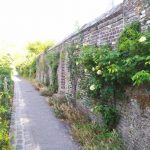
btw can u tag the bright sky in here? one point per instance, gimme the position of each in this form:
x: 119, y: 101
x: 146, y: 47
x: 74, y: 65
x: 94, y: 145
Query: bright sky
x: 29, y: 20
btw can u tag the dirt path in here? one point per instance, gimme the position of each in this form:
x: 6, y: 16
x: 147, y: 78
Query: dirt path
x: 34, y: 125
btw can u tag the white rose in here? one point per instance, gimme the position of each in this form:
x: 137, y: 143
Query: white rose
x: 92, y: 109
x: 85, y: 44
x: 142, y: 39
x: 77, y: 46
x: 77, y: 63
x: 99, y: 72
x: 85, y: 70
x: 92, y: 87
x: 93, y: 69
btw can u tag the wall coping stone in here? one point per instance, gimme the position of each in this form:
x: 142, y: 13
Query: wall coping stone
x: 103, y: 18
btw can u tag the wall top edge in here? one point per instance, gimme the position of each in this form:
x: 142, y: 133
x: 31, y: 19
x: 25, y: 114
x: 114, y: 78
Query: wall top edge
x: 102, y: 18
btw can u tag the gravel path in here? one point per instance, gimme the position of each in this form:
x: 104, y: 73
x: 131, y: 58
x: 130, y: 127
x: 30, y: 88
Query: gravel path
x: 33, y: 123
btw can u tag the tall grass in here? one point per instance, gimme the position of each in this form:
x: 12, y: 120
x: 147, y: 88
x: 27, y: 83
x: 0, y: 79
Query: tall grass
x: 90, y: 135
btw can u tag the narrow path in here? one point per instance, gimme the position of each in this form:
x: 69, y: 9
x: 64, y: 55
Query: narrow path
x: 33, y: 123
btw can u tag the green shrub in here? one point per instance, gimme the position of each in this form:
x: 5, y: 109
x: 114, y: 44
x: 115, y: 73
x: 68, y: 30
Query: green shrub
x: 108, y: 72
x: 28, y: 68
x: 141, y: 77
x: 72, y: 51
x: 53, y: 60
x: 128, y: 40
x: 6, y: 93
x: 110, y: 115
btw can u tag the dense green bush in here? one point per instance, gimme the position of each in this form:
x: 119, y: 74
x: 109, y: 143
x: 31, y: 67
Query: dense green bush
x: 28, y: 67
x: 72, y: 51
x: 53, y: 60
x: 6, y: 92
x: 108, y: 72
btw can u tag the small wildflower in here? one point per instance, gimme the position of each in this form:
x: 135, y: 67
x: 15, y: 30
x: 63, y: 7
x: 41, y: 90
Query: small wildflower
x: 77, y: 63
x: 92, y: 109
x: 85, y: 44
x: 93, y: 69
x: 85, y: 70
x: 97, y: 67
x: 92, y: 87
x: 99, y: 72
x: 142, y: 39
x: 77, y: 46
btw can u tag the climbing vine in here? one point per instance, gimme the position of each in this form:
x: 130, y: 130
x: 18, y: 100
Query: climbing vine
x: 73, y: 52
x: 108, y: 72
x: 53, y: 60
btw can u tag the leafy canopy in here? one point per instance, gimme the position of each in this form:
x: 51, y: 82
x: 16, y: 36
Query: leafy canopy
x: 38, y: 47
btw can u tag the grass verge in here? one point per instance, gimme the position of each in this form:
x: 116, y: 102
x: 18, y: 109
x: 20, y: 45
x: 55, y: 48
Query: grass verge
x: 89, y: 134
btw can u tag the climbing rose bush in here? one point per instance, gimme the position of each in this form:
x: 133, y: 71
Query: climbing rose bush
x: 108, y: 71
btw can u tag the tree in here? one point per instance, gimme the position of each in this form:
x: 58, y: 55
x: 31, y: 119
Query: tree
x: 38, y: 47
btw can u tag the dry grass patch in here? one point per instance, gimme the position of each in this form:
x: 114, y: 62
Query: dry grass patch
x: 37, y: 85
x: 89, y: 134
x: 45, y: 91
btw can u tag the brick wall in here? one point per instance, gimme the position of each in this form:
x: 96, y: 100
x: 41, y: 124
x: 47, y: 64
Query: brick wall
x: 134, y: 126
x: 104, y: 29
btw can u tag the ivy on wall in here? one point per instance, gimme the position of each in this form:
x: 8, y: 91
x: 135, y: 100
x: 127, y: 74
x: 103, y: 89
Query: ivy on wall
x: 108, y: 72
x: 72, y: 53
x: 104, y: 73
x: 53, y: 60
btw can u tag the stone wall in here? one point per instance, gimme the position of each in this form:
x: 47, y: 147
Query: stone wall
x: 135, y: 121
x: 104, y: 29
